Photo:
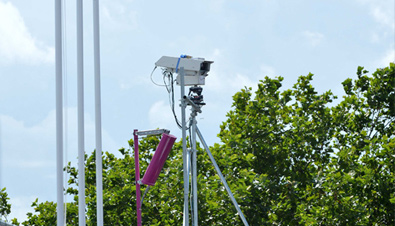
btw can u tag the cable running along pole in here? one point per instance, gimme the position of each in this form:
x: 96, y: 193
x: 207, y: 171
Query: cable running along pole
x: 59, y: 112
x: 99, y: 171
x: 192, y: 73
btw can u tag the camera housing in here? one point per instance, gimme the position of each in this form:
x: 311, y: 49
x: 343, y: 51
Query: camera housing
x: 195, y: 69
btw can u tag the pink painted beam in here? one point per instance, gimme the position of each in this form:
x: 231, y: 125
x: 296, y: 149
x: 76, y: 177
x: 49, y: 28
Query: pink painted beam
x: 159, y: 159
x: 137, y: 172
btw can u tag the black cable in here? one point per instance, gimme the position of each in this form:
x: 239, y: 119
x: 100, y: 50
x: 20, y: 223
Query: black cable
x: 153, y: 79
x: 172, y: 101
x: 169, y: 76
x: 169, y: 81
x: 170, y: 90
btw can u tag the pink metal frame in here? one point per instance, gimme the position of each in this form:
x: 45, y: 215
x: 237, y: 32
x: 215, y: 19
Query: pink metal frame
x: 137, y: 171
x: 159, y: 159
x: 154, y: 168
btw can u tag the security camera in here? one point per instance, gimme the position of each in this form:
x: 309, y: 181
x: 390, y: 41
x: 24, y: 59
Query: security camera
x: 195, y: 69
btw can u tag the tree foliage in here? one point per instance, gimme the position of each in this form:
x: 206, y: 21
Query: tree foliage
x: 291, y: 157
x: 321, y: 163
x: 5, y: 207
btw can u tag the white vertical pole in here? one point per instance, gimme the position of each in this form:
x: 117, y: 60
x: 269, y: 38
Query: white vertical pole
x: 194, y: 172
x: 80, y: 94
x: 99, y: 172
x: 1, y: 158
x: 59, y: 112
x: 185, y: 155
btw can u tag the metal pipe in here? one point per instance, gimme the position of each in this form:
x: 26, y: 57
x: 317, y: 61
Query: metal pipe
x: 184, y: 148
x: 194, y: 172
x: 59, y: 112
x: 158, y: 159
x: 80, y: 94
x: 222, y: 177
x: 1, y: 158
x: 152, y: 132
x: 99, y: 166
x: 137, y: 175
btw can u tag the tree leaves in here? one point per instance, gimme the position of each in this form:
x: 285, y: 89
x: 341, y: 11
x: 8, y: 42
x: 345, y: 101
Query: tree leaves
x: 291, y: 157
x: 5, y: 207
x: 323, y: 162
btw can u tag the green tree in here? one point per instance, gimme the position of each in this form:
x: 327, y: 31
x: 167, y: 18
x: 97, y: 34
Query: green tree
x: 287, y: 135
x: 319, y: 163
x: 291, y: 157
x: 5, y: 207
x: 363, y: 168
x: 160, y: 205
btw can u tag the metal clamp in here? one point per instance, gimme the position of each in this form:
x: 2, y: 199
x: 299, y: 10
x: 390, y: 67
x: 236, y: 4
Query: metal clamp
x: 152, y: 132
x: 195, y: 106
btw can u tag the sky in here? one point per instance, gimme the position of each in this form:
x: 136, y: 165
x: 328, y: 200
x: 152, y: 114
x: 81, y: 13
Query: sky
x: 247, y: 40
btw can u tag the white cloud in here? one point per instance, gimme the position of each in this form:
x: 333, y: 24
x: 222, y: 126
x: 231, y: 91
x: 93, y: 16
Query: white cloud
x: 116, y: 16
x: 240, y: 81
x: 227, y: 83
x: 29, y: 154
x: 387, y: 58
x: 382, y: 11
x: 130, y: 82
x: 16, y: 43
x: 383, y: 16
x: 314, y: 38
x: 375, y: 37
x: 267, y: 70
x: 38, y: 146
x: 35, y: 148
x: 216, y: 5
x: 160, y: 115
x: 19, y: 209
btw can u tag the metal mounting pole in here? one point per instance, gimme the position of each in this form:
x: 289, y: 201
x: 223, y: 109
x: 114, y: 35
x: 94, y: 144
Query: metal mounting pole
x: 59, y: 112
x: 194, y: 170
x: 1, y: 163
x: 80, y: 94
x: 222, y: 177
x: 185, y: 155
x: 99, y: 166
x: 137, y: 175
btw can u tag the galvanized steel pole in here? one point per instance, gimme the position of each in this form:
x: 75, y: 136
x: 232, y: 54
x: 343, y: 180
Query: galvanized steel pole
x: 81, y: 136
x: 59, y: 112
x: 185, y: 155
x: 194, y: 171
x: 99, y: 171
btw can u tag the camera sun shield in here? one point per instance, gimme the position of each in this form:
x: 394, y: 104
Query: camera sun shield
x: 196, y: 69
